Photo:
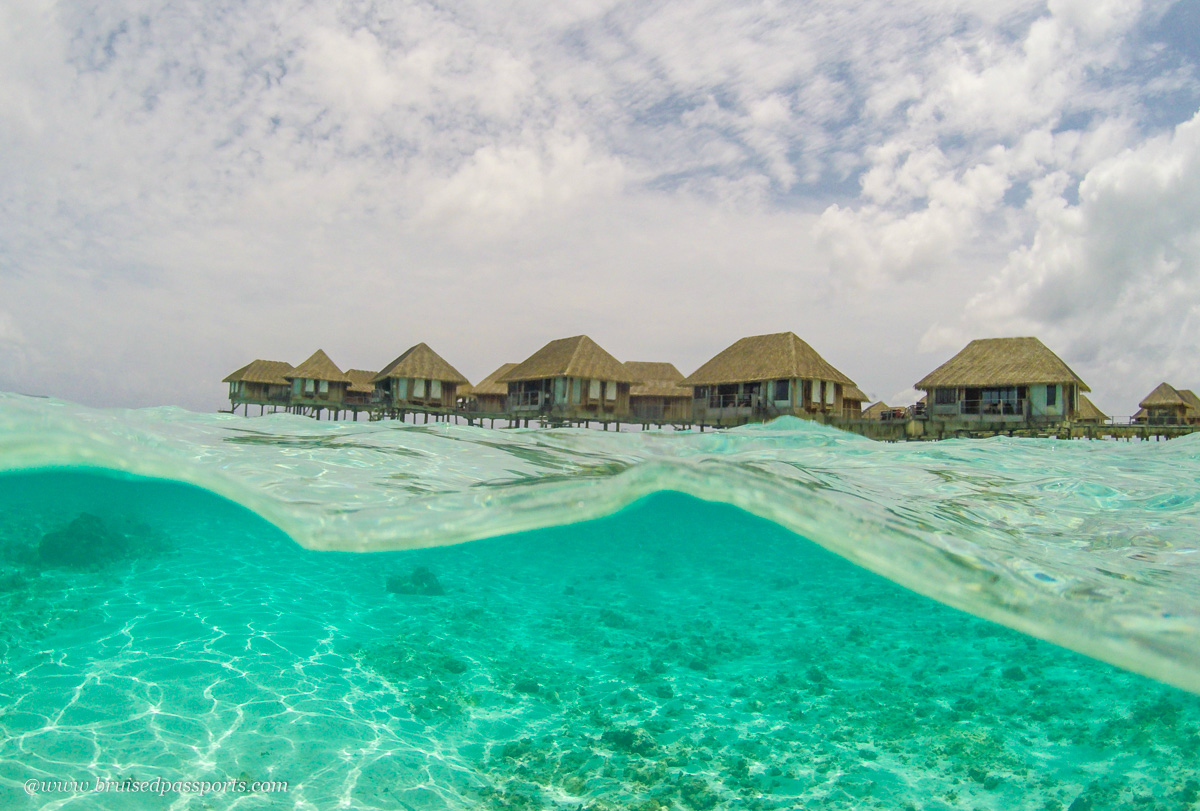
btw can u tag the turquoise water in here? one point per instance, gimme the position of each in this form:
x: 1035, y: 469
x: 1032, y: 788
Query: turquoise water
x: 613, y: 642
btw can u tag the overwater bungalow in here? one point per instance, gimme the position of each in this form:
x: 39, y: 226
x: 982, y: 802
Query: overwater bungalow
x: 261, y: 383
x: 765, y: 376
x: 1012, y: 380
x: 1088, y: 414
x: 852, y: 400
x: 361, y: 391
x: 570, y: 379
x: 1167, y: 405
x: 317, y: 384
x: 464, y: 396
x: 421, y: 379
x: 657, y: 395
x: 1193, y: 413
x: 885, y: 413
x: 489, y: 396
x: 876, y: 411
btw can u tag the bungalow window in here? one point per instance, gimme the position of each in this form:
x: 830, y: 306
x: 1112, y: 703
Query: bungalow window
x: 724, y: 395
x: 1051, y: 396
x: 419, y: 387
x: 610, y: 390
x: 830, y: 391
x: 781, y: 390
x: 435, y: 388
x: 593, y: 389
x: 945, y: 396
x: 750, y: 395
x: 324, y: 387
x: 999, y: 400
x: 576, y: 389
x: 310, y: 387
x: 701, y: 393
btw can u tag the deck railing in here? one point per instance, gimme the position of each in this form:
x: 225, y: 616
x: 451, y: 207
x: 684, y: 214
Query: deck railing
x: 270, y: 399
x: 363, y: 398
x: 727, y: 401
x: 525, y: 399
x: 982, y: 408
x: 1163, y: 420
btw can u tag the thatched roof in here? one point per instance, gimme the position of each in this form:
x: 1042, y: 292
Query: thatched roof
x: 578, y: 356
x: 661, y: 388
x: 1088, y: 411
x: 318, y: 367
x: 1002, y: 362
x: 361, y: 380
x: 654, y: 379
x: 853, y: 392
x: 644, y: 370
x: 270, y: 372
x: 1193, y: 402
x: 1163, y: 396
x: 873, y: 412
x: 490, y: 384
x: 766, y: 357
x: 421, y: 362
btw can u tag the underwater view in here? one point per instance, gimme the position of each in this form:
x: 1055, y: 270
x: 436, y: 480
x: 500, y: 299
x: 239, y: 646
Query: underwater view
x: 274, y: 612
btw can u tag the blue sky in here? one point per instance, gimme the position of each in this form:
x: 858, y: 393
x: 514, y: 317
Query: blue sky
x: 185, y: 187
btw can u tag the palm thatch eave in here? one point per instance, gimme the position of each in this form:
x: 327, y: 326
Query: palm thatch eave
x: 421, y: 362
x: 318, y: 367
x: 987, y: 362
x: 1163, y: 396
x: 778, y: 356
x: 578, y: 356
x: 270, y: 372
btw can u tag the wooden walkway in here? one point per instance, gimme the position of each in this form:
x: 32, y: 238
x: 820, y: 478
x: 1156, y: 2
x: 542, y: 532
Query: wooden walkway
x: 925, y: 430
x: 884, y: 430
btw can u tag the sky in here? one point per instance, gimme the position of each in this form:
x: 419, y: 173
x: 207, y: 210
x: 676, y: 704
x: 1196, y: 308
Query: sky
x: 185, y: 187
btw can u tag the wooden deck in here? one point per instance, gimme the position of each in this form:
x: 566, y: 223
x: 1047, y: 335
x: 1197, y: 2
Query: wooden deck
x: 925, y: 430
x: 909, y: 430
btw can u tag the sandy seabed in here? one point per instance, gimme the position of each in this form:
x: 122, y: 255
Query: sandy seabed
x: 679, y: 655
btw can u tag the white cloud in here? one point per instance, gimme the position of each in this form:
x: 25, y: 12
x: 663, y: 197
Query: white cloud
x: 876, y: 242
x: 1096, y: 19
x: 243, y: 180
x: 1115, y: 278
x: 499, y: 186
